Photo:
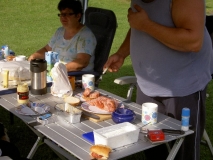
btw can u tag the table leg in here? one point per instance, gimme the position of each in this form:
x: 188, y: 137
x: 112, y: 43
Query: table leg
x: 35, y: 147
x: 61, y: 153
x: 175, y: 148
x: 207, y: 141
x: 168, y: 147
x: 11, y: 118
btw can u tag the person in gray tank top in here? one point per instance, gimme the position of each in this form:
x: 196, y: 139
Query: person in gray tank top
x: 171, y: 53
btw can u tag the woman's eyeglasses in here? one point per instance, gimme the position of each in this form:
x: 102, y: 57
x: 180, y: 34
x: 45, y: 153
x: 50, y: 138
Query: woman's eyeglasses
x: 147, y: 1
x: 65, y: 14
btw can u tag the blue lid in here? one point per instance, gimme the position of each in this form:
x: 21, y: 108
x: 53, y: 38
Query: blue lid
x: 185, y: 112
x: 89, y: 136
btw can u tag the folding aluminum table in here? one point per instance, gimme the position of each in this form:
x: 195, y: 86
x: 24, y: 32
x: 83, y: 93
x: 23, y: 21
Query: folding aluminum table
x: 66, y: 139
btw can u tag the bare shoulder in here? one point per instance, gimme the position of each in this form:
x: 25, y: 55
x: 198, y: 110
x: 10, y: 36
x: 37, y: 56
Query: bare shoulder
x: 188, y: 13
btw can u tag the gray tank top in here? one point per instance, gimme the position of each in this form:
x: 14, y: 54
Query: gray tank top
x: 162, y: 71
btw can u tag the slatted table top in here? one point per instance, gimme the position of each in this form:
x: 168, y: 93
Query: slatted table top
x: 69, y: 136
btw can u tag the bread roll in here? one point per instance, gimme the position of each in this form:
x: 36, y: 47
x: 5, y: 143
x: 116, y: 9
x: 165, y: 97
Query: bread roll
x: 72, y: 100
x: 101, y: 150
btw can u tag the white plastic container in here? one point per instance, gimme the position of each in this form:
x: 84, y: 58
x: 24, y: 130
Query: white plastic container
x: 117, y: 135
x: 73, y: 118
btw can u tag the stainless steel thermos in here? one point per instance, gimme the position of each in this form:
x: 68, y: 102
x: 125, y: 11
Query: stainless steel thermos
x: 38, y: 69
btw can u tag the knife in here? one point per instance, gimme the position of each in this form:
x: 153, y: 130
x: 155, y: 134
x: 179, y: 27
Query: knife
x: 83, y: 112
x: 92, y: 115
x: 88, y: 114
x: 172, y: 131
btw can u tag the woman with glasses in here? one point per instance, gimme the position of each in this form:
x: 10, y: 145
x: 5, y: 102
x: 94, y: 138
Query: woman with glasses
x: 74, y: 42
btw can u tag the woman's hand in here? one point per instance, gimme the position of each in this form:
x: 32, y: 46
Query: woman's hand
x: 40, y: 54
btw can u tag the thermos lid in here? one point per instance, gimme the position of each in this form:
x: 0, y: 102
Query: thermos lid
x: 185, y: 112
x: 38, y: 65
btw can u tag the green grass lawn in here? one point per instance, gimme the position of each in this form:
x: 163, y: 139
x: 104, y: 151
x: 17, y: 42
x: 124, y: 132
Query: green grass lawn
x: 27, y: 25
x: 209, y: 7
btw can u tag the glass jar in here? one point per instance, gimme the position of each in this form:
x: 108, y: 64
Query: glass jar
x: 23, y: 93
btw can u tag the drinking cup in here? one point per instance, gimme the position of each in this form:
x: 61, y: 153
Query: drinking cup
x: 149, y: 113
x: 88, y: 81
x: 20, y: 58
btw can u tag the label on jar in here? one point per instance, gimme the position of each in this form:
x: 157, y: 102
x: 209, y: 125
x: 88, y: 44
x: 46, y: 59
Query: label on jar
x: 23, y: 95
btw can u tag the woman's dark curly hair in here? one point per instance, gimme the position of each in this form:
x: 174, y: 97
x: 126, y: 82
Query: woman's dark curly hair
x: 74, y: 5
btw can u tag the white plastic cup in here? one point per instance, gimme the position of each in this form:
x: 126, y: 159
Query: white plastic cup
x: 149, y: 113
x: 88, y: 81
x: 20, y: 58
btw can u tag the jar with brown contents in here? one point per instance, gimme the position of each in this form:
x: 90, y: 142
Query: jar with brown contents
x: 23, y: 93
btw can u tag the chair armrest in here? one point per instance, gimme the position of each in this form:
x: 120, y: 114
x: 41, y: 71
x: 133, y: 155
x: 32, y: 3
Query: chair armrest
x: 126, y: 80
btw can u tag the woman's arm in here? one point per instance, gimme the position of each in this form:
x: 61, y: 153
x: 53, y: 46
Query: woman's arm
x: 80, y: 62
x: 40, y: 54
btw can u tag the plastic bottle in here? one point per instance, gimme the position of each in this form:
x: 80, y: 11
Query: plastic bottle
x: 6, y: 51
x: 185, y: 119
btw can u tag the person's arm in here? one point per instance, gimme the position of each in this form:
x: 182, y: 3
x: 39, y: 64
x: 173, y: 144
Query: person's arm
x: 189, y: 19
x: 116, y: 60
x: 40, y: 54
x: 80, y: 62
x: 85, y: 49
x: 124, y: 49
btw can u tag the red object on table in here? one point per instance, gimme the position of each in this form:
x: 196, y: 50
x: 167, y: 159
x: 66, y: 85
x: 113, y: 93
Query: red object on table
x: 156, y: 135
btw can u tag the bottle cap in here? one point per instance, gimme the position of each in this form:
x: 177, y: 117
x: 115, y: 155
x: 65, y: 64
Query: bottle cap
x: 185, y: 112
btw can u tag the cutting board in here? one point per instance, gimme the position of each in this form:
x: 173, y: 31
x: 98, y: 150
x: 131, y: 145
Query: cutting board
x: 102, y: 117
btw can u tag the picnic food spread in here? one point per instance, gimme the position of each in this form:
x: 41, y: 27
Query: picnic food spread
x: 18, y: 70
x: 100, y: 151
x: 94, y: 98
x: 88, y: 94
x: 70, y: 104
x: 10, y: 58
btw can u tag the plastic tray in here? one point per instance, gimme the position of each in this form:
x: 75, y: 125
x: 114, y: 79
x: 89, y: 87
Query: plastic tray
x: 117, y: 135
